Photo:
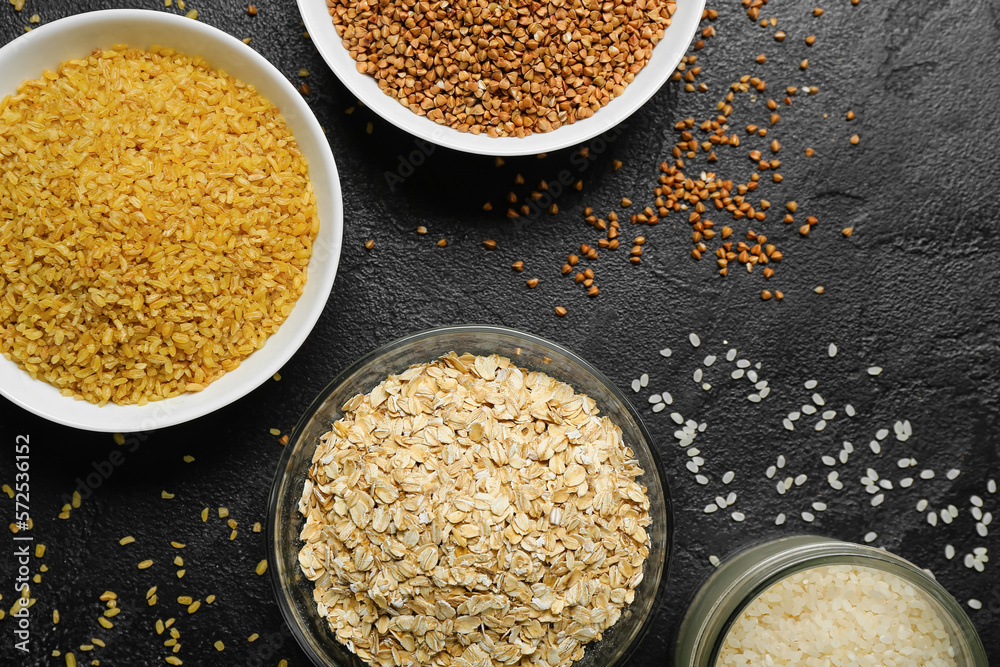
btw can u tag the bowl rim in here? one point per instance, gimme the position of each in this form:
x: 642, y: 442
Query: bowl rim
x: 364, y: 87
x: 166, y: 412
x: 273, y: 495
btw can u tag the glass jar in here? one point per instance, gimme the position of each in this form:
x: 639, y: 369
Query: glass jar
x: 747, y: 575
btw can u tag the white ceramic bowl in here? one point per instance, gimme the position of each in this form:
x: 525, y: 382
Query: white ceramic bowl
x: 666, y: 55
x: 76, y: 36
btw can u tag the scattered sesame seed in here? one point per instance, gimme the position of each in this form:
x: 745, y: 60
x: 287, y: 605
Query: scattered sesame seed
x: 932, y: 518
x: 701, y: 479
x: 874, y: 370
x: 800, y: 480
x: 953, y: 473
x: 779, y: 520
x: 695, y: 341
x: 738, y: 516
x: 974, y: 604
x: 875, y: 447
x: 832, y: 350
x: 808, y: 517
x: 709, y: 360
x: 926, y: 474
x: 991, y: 486
x: 770, y: 472
x: 666, y: 352
x: 219, y: 645
x: 820, y: 425
x: 714, y: 560
x: 659, y: 407
x: 636, y: 386
x: 871, y: 537
x: 849, y: 409
x: 728, y: 477
x: 877, y: 500
x: 981, y: 529
x: 644, y: 379
x: 731, y: 354
x: 710, y: 508
x: 882, y: 433
x: 906, y: 482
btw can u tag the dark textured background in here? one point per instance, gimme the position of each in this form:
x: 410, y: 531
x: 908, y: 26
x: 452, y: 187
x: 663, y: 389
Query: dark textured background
x: 914, y: 290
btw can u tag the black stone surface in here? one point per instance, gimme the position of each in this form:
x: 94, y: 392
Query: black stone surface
x: 914, y: 290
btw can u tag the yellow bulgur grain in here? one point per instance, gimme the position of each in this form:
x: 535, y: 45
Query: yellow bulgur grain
x: 157, y: 223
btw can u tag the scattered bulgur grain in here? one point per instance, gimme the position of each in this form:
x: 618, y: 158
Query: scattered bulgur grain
x: 253, y: 637
x: 143, y: 565
x: 105, y: 623
x: 219, y: 646
x: 204, y: 515
x: 166, y: 495
x: 261, y: 567
x: 224, y: 511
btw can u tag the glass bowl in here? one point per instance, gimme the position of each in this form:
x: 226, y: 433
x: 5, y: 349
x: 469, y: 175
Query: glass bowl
x: 295, y: 592
x: 747, y: 575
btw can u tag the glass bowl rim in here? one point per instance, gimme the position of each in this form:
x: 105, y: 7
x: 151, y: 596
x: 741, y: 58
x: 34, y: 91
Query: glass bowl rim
x: 278, y: 586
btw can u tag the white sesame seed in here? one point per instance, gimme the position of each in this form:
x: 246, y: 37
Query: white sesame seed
x: 808, y: 409
x: 760, y: 385
x: 979, y: 551
x: 655, y: 398
x: 873, y: 474
x: 932, y: 518
x: 974, y: 604
x: 969, y: 561
x: 781, y: 460
x: 837, y: 484
x: 978, y: 565
x: 709, y: 360
x: 779, y: 520
x: 991, y: 486
x: 659, y: 407
x: 808, y: 517
x: 780, y: 487
x: 987, y: 518
x: 829, y: 414
x: 926, y: 474
x: 731, y: 354
x: 692, y: 466
x: 666, y: 352
x: 875, y: 447
x: 871, y: 537
x: 698, y: 374
x: 754, y: 398
x: 738, y: 516
x: 714, y: 560
x: 874, y: 370
x: 731, y: 498
x: 945, y: 516
x: 770, y: 471
x: 677, y: 417
x: 698, y: 461
x: 636, y: 386
x: 922, y: 504
x: 953, y: 511
x: 644, y: 379
x: 949, y: 551
x: 906, y: 482
x: 953, y: 473
x: 721, y: 502
x: 695, y: 341
x: 866, y: 481
x: 711, y: 507
x: 820, y: 425
x: 977, y: 513
x: 871, y: 490
x: 765, y: 392
x: 882, y: 434
x: 701, y: 479
x: 752, y: 375
x: 976, y: 500
x: 818, y: 400
x: 667, y: 398
x: 788, y: 425
x: 728, y: 477
x: 981, y: 529
x: 737, y: 374
x: 829, y: 460
x: 849, y: 409
x: 848, y: 446
x: 877, y: 500
x: 843, y: 455
x: 743, y: 363
x: 794, y: 416
x: 833, y: 475
x: 694, y: 451
x: 885, y: 484
x: 811, y: 384
x: 819, y: 506
x: 832, y: 350
x: 903, y: 463
x: 800, y: 480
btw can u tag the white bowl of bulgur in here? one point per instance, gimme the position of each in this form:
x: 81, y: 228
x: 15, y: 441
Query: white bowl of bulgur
x: 170, y: 225
x: 503, y: 78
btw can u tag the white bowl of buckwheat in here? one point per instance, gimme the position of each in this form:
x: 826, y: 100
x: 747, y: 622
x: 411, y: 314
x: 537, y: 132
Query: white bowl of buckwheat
x: 469, y: 491
x: 503, y: 79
